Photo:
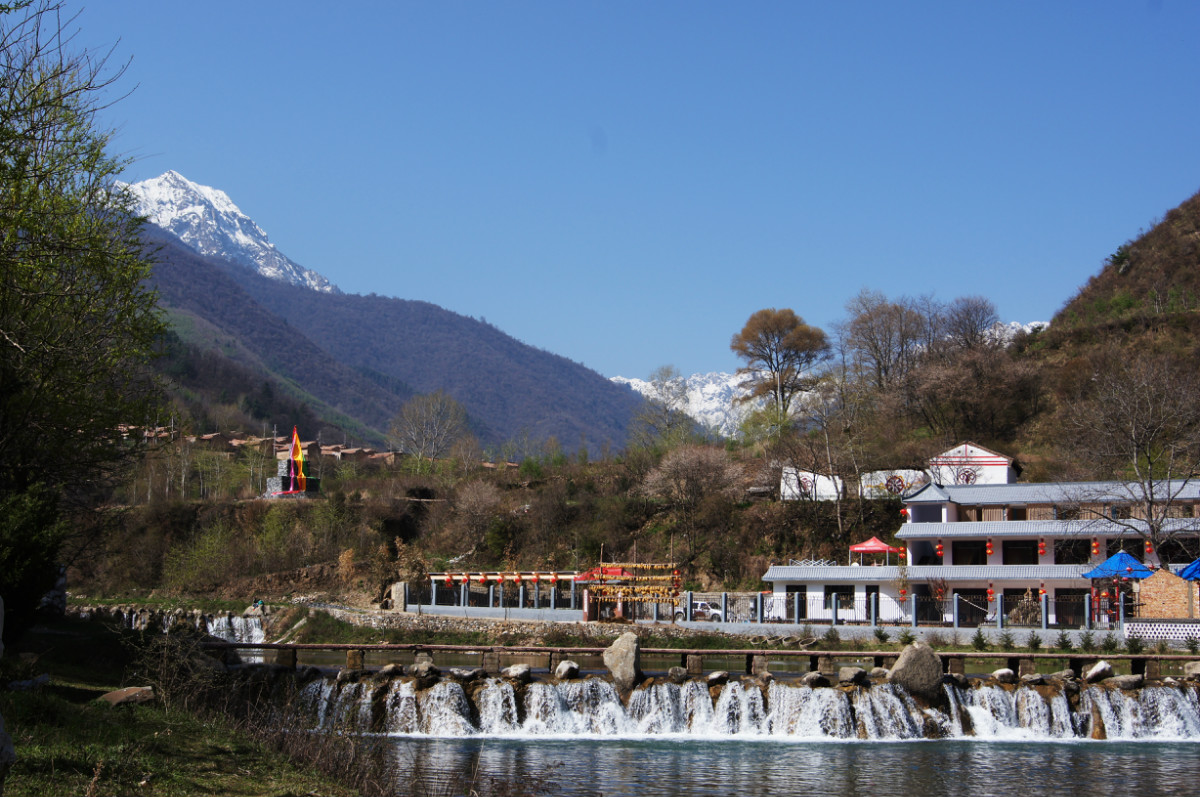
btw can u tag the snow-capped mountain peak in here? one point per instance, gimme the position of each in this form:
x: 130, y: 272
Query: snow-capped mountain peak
x: 710, y: 399
x: 208, y: 221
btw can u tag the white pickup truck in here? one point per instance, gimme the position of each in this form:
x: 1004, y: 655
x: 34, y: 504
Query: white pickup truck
x: 701, y: 610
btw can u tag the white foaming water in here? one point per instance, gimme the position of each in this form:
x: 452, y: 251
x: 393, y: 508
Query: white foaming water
x: 445, y: 711
x: 235, y: 628
x: 887, y: 712
x: 1152, y: 712
x: 403, y: 711
x: 809, y: 713
x: 591, y: 707
x: 497, y: 708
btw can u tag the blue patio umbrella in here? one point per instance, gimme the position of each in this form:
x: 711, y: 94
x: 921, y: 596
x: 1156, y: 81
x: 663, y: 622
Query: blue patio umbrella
x: 1191, y: 572
x: 1120, y: 565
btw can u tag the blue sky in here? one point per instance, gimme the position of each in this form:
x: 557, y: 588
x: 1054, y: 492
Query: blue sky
x: 625, y: 183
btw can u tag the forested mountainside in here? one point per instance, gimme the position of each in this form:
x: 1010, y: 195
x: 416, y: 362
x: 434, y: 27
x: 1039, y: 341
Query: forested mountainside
x: 214, y: 316
x: 359, y: 358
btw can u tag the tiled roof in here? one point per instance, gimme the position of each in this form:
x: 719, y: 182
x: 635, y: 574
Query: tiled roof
x: 1098, y: 527
x: 1047, y: 492
x: 922, y: 573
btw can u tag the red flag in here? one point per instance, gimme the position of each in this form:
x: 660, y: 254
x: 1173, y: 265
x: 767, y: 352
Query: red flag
x: 298, y: 480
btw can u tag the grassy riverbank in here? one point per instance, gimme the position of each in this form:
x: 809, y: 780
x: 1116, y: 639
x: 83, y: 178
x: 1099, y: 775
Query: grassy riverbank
x: 69, y: 742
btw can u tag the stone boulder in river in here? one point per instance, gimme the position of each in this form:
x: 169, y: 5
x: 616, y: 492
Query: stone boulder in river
x: 919, y: 670
x: 623, y: 659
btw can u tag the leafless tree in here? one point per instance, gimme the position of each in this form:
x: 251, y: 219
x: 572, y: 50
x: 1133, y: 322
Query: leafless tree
x: 475, y: 505
x: 884, y: 338
x: 686, y: 476
x: 1137, y: 424
x: 427, y: 426
x: 663, y: 421
x: 969, y: 322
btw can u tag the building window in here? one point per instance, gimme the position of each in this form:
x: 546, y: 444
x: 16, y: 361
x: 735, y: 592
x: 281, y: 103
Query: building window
x: 844, y: 593
x: 1066, y: 512
x: 1174, y: 552
x: 1016, y: 513
x: 1073, y: 551
x: 925, y: 513
x: 969, y: 552
x: 1134, y: 546
x: 1020, y: 552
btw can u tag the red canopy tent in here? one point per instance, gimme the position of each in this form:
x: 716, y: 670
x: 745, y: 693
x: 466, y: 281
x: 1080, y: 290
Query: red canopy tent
x: 874, y: 545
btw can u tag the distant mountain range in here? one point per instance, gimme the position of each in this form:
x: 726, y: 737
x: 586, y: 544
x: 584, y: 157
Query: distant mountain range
x: 354, y: 360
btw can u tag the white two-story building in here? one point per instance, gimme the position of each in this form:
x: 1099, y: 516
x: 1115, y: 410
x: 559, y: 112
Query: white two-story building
x: 985, y: 542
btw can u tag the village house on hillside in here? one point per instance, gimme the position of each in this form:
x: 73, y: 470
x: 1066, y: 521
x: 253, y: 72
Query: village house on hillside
x: 992, y: 541
x: 967, y: 463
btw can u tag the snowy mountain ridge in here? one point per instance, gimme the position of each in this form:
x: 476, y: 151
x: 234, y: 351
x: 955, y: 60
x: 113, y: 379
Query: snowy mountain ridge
x: 710, y: 399
x: 208, y: 221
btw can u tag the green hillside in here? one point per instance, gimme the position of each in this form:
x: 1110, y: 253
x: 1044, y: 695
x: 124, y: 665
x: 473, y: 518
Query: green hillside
x: 1146, y: 295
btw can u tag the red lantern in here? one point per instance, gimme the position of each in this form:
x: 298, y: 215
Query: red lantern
x: 1041, y: 547
x: 903, y: 595
x: 499, y: 578
x: 941, y: 550
x: 1095, y: 547
x: 1104, y: 594
x: 449, y: 580
x: 989, y: 546
x: 903, y: 511
x: 537, y: 577
x: 554, y: 578
x: 902, y: 553
x: 1149, y: 547
x: 991, y: 594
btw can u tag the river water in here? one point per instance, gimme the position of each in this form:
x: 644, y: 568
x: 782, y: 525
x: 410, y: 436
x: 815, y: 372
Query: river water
x: 578, y: 738
x: 587, y: 767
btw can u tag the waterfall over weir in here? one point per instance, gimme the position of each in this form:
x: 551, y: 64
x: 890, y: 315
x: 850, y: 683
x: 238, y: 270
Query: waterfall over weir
x: 591, y: 707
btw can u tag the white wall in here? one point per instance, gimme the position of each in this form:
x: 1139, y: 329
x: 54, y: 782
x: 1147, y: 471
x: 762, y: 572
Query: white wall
x: 795, y: 485
x: 884, y: 483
